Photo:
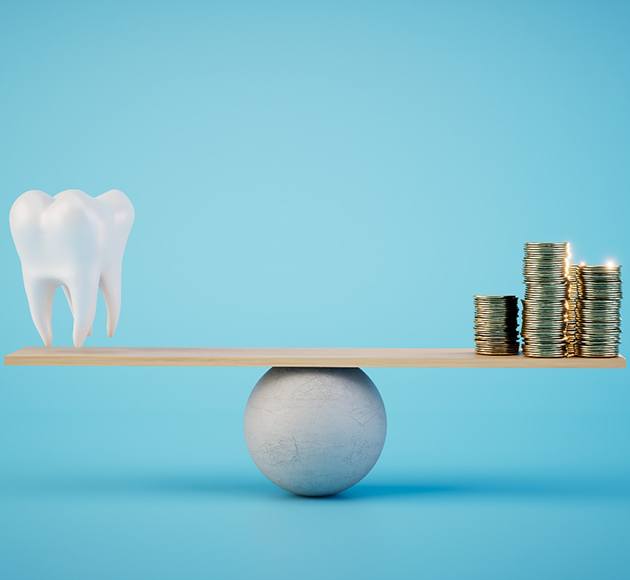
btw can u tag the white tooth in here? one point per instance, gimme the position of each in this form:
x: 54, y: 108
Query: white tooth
x: 75, y: 241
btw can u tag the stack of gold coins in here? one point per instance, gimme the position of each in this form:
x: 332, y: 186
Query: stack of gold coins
x: 600, y: 326
x: 496, y: 328
x: 543, y: 326
x: 573, y: 311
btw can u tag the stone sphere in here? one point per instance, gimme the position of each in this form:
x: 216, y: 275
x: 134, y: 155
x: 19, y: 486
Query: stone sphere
x: 315, y: 431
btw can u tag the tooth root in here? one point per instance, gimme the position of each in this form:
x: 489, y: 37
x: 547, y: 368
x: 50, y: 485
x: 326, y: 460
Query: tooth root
x: 66, y: 293
x: 40, y: 293
x: 111, y: 283
x: 83, y: 294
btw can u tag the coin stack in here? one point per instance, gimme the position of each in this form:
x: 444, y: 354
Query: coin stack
x: 600, y: 326
x: 545, y: 270
x: 496, y: 329
x: 573, y: 311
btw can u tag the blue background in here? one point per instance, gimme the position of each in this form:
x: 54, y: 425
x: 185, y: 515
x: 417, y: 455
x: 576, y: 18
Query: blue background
x: 316, y: 174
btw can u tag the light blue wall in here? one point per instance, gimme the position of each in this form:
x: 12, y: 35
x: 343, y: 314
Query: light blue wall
x: 316, y: 174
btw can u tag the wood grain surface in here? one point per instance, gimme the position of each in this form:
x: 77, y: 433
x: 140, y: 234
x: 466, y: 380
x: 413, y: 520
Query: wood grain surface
x: 294, y: 357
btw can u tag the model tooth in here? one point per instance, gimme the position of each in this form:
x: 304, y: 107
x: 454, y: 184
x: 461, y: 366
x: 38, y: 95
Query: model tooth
x: 77, y: 242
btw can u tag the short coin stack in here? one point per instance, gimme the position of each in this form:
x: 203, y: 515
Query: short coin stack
x: 600, y: 326
x: 496, y: 329
x: 573, y: 311
x: 545, y: 270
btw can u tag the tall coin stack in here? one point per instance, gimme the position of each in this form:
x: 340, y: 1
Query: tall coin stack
x: 545, y: 270
x: 600, y: 326
x: 573, y: 311
x: 496, y: 329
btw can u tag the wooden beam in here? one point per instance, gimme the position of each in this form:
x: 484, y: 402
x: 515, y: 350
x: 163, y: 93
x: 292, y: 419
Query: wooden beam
x: 295, y: 357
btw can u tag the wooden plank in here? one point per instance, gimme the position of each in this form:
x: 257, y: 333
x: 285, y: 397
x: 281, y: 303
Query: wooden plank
x: 294, y: 357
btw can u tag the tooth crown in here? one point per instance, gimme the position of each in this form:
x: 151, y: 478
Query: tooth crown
x: 75, y: 241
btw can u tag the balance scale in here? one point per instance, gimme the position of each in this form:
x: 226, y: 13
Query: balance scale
x: 315, y: 423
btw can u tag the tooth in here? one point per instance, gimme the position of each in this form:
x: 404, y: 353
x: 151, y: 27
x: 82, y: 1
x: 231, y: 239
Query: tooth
x: 77, y: 242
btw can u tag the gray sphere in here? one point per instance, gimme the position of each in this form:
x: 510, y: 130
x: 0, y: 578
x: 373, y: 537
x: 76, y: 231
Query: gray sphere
x: 315, y: 431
